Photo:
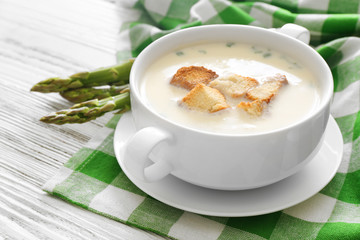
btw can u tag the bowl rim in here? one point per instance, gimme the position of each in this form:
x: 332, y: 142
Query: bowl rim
x: 138, y: 63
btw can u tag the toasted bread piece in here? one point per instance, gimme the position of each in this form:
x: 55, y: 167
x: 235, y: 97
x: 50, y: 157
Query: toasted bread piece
x: 189, y: 77
x: 204, y: 98
x: 278, y: 77
x: 234, y: 85
x: 254, y: 108
x: 266, y: 91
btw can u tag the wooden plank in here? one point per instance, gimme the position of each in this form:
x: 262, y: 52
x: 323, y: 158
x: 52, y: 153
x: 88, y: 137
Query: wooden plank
x: 41, y: 39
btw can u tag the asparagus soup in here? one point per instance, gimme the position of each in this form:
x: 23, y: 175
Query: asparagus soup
x: 291, y: 103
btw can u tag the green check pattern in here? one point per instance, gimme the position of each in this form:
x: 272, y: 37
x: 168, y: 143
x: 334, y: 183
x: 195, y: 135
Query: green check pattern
x: 93, y: 180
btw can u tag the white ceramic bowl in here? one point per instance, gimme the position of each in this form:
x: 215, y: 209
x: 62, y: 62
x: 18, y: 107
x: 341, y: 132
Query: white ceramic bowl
x: 220, y: 161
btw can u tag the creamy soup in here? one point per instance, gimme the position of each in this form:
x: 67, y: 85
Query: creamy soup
x: 291, y: 104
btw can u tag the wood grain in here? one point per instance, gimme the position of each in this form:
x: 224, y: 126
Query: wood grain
x: 41, y: 39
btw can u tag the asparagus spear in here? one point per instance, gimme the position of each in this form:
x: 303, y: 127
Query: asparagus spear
x: 78, y: 95
x: 118, y: 74
x: 89, y: 110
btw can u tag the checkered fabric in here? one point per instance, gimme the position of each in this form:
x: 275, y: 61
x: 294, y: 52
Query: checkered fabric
x: 93, y: 179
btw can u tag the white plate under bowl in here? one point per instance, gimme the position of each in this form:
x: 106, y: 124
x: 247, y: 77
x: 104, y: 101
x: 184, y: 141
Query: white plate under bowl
x: 278, y: 196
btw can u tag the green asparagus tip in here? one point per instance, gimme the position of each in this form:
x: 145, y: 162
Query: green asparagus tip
x: 118, y: 74
x: 89, y: 110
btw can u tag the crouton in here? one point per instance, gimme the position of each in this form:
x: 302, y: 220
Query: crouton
x: 266, y: 91
x: 254, y: 108
x: 234, y: 85
x: 189, y: 77
x: 204, y: 98
x: 278, y: 77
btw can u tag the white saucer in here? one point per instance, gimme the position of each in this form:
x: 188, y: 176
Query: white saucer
x: 278, y: 196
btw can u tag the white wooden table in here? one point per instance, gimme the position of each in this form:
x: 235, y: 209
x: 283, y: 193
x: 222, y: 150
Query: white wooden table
x: 41, y: 39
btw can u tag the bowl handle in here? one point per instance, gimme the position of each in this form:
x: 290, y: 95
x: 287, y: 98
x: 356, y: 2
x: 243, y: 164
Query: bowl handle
x: 137, y: 150
x: 295, y: 31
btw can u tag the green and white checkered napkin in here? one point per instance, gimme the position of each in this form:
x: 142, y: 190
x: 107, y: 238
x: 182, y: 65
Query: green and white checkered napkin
x: 93, y: 179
